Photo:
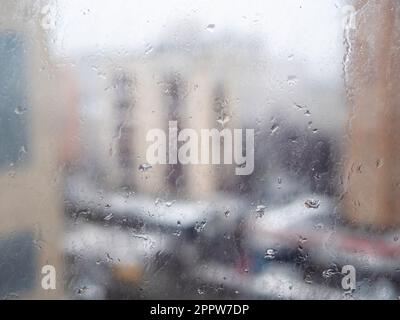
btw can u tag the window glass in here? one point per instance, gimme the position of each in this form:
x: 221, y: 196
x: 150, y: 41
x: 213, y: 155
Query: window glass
x: 199, y: 150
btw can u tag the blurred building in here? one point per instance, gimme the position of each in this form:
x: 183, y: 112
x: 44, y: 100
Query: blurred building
x: 204, y: 89
x: 30, y: 203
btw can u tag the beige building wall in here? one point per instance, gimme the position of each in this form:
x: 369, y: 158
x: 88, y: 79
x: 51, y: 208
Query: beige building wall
x: 148, y: 113
x: 203, y: 82
x: 200, y: 179
x: 371, y: 178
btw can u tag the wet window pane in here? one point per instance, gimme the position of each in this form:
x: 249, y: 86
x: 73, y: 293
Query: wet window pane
x: 178, y: 150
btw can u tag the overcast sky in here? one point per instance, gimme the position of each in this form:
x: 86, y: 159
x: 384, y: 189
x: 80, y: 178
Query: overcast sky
x: 309, y: 29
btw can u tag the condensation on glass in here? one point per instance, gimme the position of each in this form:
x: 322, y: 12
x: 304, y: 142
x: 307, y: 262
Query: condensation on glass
x: 199, y: 150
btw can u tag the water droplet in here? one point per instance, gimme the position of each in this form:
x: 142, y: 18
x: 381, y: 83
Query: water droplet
x: 19, y: 110
x: 170, y: 203
x: 224, y: 120
x: 319, y: 226
x: 279, y: 180
x: 227, y: 236
x: 144, y: 167
x: 102, y: 75
x: 326, y: 274
x: 260, y: 210
x: 298, y: 106
x: 331, y: 271
x: 22, y: 153
x: 270, y: 254
x: 109, y: 258
x: 292, y: 81
x: 200, y: 291
x: 312, y: 203
x: 199, y: 226
x: 308, y: 279
x: 210, y: 27
x: 11, y: 295
x: 274, y: 128
x: 108, y: 217
x: 302, y: 239
x: 177, y: 233
x: 82, y: 290
x: 149, y: 49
